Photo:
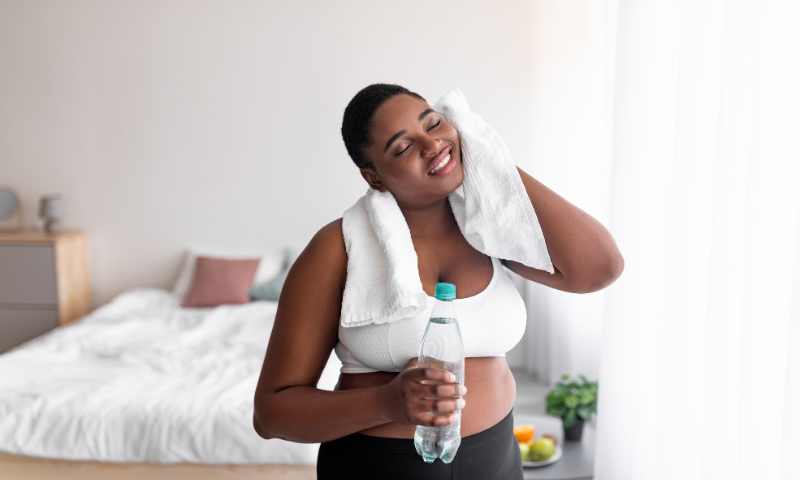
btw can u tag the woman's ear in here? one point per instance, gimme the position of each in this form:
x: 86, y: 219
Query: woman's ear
x: 373, y: 179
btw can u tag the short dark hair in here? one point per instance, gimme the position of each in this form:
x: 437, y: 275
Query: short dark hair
x: 358, y: 115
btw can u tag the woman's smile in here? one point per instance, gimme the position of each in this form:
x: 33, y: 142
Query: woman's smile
x: 411, y: 144
x: 442, y: 164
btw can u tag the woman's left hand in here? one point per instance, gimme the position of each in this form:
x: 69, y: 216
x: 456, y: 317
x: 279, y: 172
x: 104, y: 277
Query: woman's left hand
x: 415, y: 392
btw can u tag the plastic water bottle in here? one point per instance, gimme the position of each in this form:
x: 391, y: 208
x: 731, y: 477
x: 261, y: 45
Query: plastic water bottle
x: 442, y: 347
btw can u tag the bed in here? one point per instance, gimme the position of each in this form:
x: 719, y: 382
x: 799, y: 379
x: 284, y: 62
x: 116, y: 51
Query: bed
x: 143, y: 380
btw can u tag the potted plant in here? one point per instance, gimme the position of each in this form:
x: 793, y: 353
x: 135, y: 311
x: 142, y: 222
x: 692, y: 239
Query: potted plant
x: 573, y: 401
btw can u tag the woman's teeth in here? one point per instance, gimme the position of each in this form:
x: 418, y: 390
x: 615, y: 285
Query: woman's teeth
x: 441, y: 164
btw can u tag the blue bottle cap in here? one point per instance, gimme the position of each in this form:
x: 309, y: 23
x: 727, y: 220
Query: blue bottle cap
x: 445, y: 291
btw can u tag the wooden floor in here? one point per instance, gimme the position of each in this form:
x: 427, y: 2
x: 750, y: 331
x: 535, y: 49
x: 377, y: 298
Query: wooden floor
x: 13, y: 467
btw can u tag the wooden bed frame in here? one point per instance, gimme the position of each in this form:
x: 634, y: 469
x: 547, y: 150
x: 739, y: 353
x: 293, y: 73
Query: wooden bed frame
x: 18, y: 467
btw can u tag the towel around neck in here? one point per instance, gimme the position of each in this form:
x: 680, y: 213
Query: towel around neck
x: 491, y: 207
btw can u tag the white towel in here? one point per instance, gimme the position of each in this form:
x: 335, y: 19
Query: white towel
x: 491, y: 207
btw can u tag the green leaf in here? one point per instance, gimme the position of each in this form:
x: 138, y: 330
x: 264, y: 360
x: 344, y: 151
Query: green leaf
x: 554, y: 394
x: 571, y: 401
x: 586, y: 382
x: 558, y: 410
x: 565, y: 377
x: 561, y: 390
x: 584, y: 412
x: 569, y: 418
x: 586, y: 397
x: 553, y: 399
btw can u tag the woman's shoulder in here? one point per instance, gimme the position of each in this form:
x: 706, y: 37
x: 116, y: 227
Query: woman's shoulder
x: 325, y: 255
x: 329, y: 239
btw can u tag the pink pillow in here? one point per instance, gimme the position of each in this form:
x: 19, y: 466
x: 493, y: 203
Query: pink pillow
x: 221, y: 281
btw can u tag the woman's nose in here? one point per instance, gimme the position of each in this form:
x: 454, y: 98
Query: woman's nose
x: 430, y: 147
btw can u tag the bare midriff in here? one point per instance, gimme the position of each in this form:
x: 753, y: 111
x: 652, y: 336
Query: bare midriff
x: 490, y: 396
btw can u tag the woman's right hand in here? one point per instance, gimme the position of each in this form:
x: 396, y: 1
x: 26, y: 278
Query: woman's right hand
x: 415, y: 392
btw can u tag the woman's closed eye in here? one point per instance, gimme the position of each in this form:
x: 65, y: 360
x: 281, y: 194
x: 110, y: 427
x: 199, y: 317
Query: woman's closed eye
x: 409, y: 145
x: 403, y: 150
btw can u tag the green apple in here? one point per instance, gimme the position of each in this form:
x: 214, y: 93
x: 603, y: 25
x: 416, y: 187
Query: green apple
x: 525, y: 450
x: 542, y: 449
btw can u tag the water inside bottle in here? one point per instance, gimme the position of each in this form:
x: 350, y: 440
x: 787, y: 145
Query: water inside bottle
x: 441, y: 442
x: 438, y: 442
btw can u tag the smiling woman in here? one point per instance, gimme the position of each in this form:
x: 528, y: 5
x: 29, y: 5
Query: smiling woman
x: 414, y: 163
x: 403, y: 146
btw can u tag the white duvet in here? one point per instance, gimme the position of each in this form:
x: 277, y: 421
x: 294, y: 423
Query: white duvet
x: 142, y: 380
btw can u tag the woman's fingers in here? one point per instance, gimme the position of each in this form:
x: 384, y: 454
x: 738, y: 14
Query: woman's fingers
x: 432, y: 374
x: 427, y: 390
x: 443, y: 390
x: 437, y: 420
x: 441, y: 406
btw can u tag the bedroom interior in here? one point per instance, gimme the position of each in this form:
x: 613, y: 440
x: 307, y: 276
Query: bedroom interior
x: 194, y: 149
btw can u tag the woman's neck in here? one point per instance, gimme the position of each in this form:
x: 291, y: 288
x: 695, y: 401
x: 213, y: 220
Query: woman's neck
x: 432, y: 221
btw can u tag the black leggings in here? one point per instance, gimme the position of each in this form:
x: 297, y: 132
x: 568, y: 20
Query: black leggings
x: 490, y: 454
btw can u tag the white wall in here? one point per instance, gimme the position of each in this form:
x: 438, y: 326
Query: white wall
x: 167, y: 124
x: 170, y: 124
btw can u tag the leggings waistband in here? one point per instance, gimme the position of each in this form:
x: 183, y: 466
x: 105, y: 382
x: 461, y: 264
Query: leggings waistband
x: 401, y: 445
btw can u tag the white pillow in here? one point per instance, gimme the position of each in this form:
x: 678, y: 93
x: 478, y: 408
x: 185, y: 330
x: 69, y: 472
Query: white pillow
x: 268, y: 268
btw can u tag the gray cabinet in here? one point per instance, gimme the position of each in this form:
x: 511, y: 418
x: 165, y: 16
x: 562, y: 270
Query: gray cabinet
x: 27, y: 275
x: 44, y: 282
x: 19, y: 326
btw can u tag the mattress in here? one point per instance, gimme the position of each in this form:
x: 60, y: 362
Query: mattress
x: 143, y: 380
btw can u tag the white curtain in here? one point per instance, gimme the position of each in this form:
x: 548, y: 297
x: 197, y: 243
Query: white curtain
x: 700, y: 368
x: 677, y: 124
x: 570, y: 123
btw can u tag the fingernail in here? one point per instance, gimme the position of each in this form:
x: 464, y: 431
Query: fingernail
x: 461, y: 403
x: 463, y: 390
x: 452, y: 378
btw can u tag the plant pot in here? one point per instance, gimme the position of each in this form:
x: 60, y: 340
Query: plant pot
x: 574, y: 433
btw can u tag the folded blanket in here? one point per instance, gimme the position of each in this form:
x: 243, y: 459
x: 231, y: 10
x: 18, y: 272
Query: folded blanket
x: 491, y: 207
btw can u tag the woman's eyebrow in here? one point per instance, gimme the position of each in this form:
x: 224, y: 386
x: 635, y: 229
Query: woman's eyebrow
x: 394, y: 137
x: 403, y: 132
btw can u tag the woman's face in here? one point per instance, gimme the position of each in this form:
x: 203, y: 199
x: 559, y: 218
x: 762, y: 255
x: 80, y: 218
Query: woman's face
x: 410, y: 150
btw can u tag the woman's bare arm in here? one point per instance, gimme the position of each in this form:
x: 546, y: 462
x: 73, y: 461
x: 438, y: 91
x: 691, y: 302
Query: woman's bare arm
x: 288, y: 405
x: 584, y: 254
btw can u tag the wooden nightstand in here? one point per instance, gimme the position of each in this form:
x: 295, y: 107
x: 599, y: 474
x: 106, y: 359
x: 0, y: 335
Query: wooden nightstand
x: 44, y: 282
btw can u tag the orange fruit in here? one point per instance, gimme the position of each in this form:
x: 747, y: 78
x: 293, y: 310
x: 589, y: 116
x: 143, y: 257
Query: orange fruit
x: 524, y: 433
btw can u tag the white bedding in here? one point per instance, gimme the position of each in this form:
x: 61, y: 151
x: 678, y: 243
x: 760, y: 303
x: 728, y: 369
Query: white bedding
x: 142, y: 380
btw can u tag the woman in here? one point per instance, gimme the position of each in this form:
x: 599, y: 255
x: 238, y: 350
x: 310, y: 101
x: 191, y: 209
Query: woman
x: 367, y: 424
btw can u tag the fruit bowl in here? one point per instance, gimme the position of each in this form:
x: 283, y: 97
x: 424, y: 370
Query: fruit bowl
x: 553, y: 459
x: 536, y: 452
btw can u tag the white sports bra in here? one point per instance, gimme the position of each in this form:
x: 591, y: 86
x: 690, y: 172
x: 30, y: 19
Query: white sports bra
x: 491, y: 323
